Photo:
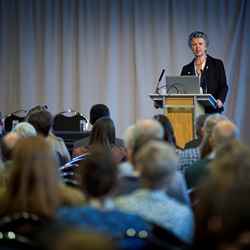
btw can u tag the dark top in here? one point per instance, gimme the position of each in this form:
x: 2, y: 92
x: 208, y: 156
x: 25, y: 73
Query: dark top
x: 213, y: 78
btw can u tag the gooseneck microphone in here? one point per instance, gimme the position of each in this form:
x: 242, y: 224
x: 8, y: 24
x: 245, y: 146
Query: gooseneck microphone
x: 159, y: 80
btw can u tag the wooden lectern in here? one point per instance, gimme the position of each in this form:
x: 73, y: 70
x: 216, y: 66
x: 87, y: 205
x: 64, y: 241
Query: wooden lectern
x: 182, y: 110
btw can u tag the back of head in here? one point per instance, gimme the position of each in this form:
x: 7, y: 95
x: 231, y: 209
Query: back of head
x: 103, y: 132
x: 25, y: 129
x: 200, y: 121
x: 210, y: 123
x: 145, y: 131
x: 168, y: 128
x: 41, y: 121
x: 7, y: 145
x: 223, y: 132
x: 98, y: 173
x: 97, y: 111
x: 76, y: 239
x: 33, y: 181
x: 224, y: 205
x: 157, y: 162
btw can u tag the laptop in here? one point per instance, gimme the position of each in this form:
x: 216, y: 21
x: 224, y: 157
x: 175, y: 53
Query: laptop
x: 182, y: 85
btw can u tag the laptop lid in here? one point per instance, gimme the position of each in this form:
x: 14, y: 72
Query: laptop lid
x: 182, y: 85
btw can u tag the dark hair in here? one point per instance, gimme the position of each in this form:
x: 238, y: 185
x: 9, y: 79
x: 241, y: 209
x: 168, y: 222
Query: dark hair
x: 222, y: 214
x: 103, y: 133
x: 168, y: 129
x: 197, y: 34
x: 41, y: 121
x: 98, y: 172
x: 200, y: 121
x: 97, y: 111
x: 6, y: 151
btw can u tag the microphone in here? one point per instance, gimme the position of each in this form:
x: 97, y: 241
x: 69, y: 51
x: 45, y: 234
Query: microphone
x: 162, y: 73
x: 159, y: 80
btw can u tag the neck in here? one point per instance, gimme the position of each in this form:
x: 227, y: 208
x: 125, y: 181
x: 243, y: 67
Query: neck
x: 201, y: 58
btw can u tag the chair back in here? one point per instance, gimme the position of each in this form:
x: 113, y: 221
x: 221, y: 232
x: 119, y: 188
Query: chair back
x: 70, y: 120
x: 11, y: 120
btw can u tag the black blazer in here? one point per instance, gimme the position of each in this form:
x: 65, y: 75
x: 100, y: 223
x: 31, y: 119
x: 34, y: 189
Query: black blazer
x: 213, y: 78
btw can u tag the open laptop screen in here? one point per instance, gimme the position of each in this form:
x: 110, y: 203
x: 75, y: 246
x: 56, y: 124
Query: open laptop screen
x: 182, y: 85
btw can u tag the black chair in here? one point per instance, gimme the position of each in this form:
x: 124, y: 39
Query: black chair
x: 13, y: 119
x: 70, y: 171
x: 17, y: 231
x: 70, y: 120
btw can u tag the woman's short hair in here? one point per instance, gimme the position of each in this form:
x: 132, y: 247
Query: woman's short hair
x: 197, y: 34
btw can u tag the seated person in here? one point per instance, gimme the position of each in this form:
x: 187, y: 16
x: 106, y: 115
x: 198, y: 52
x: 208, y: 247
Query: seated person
x: 42, y: 120
x: 33, y: 185
x: 103, y: 134
x: 157, y: 162
x: 97, y: 111
x: 98, y: 178
x: 130, y: 177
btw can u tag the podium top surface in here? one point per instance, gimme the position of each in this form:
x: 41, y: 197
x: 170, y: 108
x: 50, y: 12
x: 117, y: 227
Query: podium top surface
x: 205, y: 99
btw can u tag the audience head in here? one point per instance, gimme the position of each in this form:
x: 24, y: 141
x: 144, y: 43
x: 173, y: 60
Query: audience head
x: 98, y: 173
x: 199, y: 124
x: 103, y: 132
x: 169, y: 135
x: 143, y: 132
x: 129, y: 141
x: 25, y: 129
x: 157, y: 163
x: 223, y: 132
x: 61, y: 237
x: 41, y: 121
x: 210, y: 123
x: 223, y: 212
x: 7, y: 145
x: 97, y: 111
x: 33, y: 181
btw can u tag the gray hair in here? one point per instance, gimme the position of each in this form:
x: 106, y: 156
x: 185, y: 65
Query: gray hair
x: 129, y: 136
x: 209, y: 125
x: 223, y: 132
x: 25, y: 129
x: 197, y: 34
x: 157, y: 162
x: 211, y: 122
x: 145, y: 131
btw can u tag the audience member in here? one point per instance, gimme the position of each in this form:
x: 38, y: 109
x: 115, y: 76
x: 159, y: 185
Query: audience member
x: 169, y: 135
x: 98, y: 177
x: 103, y: 134
x: 62, y: 237
x: 136, y: 137
x: 157, y: 162
x: 42, y: 120
x: 24, y: 129
x: 225, y: 131
x: 191, y: 152
x: 97, y: 111
x: 222, y: 215
x: 7, y: 144
x: 200, y: 120
x: 33, y: 185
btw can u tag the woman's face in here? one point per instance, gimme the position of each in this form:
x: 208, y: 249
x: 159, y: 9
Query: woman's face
x: 199, y: 46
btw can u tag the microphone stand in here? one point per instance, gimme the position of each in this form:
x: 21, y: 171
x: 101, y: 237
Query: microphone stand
x: 159, y: 81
